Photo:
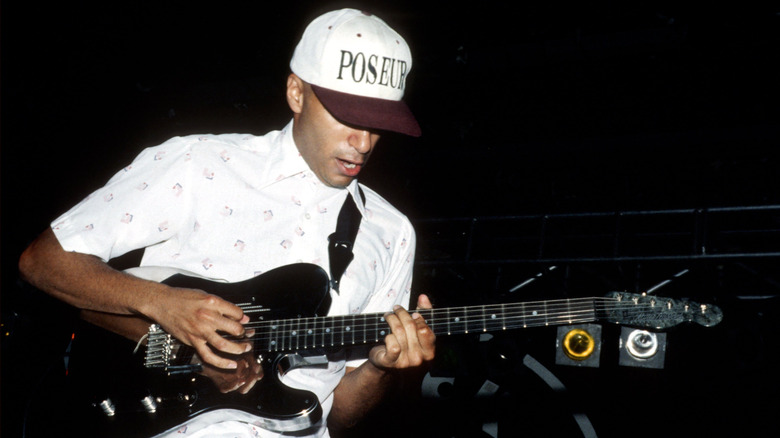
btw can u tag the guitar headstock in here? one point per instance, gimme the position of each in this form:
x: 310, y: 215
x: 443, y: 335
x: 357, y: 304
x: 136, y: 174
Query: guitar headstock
x: 650, y: 311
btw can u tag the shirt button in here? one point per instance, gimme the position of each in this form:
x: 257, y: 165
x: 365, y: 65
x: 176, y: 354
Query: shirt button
x: 307, y: 216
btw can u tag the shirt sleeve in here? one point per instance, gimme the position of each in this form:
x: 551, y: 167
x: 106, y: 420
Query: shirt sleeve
x: 143, y: 204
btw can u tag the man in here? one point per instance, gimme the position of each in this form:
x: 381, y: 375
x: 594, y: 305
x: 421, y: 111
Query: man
x: 230, y: 207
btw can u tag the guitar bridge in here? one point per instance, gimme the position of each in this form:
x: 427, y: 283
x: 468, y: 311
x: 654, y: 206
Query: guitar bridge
x: 160, y: 348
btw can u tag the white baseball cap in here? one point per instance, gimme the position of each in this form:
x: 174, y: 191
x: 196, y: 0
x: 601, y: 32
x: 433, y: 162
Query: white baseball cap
x: 357, y: 66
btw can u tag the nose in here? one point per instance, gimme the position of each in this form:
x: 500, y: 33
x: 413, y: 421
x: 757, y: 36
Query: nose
x: 362, y: 140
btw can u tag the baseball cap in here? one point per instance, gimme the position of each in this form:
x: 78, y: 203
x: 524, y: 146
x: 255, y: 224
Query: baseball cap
x: 357, y: 66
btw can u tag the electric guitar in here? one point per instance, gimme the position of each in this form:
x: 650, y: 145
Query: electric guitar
x: 161, y: 389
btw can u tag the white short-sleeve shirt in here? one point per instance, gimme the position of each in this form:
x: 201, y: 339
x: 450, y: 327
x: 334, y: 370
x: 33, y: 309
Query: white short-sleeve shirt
x: 230, y: 207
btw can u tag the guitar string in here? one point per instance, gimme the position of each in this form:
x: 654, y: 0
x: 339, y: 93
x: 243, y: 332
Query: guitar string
x: 353, y: 329
x: 337, y: 328
x: 468, y: 315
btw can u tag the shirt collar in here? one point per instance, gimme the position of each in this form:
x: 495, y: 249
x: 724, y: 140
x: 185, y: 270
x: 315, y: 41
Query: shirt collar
x: 289, y: 162
x: 358, y: 196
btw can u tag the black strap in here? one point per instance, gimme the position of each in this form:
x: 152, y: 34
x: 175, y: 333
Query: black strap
x: 341, y: 242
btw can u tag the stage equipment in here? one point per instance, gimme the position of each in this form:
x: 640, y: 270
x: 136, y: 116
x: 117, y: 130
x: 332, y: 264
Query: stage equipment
x: 578, y: 345
x: 642, y: 348
x: 437, y: 387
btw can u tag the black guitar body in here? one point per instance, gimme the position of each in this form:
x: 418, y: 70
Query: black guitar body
x: 116, y: 395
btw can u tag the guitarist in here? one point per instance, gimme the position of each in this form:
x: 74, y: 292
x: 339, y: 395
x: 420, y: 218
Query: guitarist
x: 230, y: 207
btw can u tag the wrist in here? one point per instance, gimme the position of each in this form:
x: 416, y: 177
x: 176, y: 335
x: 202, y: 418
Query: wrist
x: 378, y: 372
x: 149, y: 303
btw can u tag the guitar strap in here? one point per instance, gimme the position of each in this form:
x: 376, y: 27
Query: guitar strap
x: 341, y: 242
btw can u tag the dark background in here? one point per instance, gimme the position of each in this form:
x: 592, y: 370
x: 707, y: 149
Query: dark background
x: 547, y: 131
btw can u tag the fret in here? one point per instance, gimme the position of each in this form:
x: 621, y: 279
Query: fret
x: 338, y: 330
x: 349, y: 329
x: 537, y: 314
x: 364, y: 327
x: 283, y: 335
x: 457, y: 320
x: 327, y: 332
x: 380, y: 331
x: 319, y: 331
x: 295, y: 334
x: 292, y: 334
x: 358, y: 328
x: 311, y: 332
x: 273, y: 336
x: 316, y: 328
x: 287, y: 338
x: 472, y: 317
x: 279, y: 335
x: 307, y: 333
x: 534, y: 314
x: 492, y: 320
x: 523, y: 315
x: 344, y: 330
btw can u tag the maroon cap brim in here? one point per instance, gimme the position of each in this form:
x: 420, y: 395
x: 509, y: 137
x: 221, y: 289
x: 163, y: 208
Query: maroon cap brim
x: 369, y: 112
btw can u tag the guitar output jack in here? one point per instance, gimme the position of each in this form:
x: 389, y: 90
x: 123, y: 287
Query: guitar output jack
x: 578, y: 344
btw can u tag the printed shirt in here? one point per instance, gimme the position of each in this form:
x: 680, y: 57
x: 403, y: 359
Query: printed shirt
x: 230, y: 207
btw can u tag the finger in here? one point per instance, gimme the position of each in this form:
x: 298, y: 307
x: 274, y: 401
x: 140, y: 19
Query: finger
x: 398, y: 327
x: 385, y: 356
x: 426, y: 339
x: 227, y: 325
x: 209, y: 357
x: 423, y: 302
x: 414, y: 348
x: 256, y: 376
x: 247, y: 387
x: 230, y: 310
x: 227, y: 346
x: 218, y: 305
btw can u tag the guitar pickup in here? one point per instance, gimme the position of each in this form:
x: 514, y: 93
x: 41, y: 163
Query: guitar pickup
x: 177, y: 370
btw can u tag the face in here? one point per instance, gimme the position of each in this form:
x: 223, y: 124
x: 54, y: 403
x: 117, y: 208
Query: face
x: 334, y: 151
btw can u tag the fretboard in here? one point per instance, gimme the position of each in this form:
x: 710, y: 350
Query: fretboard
x: 351, y: 330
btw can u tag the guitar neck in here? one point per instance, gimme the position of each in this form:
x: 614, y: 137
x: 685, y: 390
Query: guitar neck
x: 359, y: 329
x: 333, y: 332
x: 500, y: 317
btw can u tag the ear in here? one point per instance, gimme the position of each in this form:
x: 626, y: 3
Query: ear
x: 295, y: 93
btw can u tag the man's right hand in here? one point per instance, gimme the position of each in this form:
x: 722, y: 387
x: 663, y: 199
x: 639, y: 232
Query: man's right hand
x: 86, y: 282
x: 199, y: 320
x: 241, y: 379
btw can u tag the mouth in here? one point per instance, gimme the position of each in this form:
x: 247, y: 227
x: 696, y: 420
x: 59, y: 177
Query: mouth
x: 349, y: 168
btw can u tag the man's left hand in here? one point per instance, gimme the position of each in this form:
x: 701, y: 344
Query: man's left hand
x: 411, y: 342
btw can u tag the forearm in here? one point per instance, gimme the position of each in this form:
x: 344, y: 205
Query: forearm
x: 84, y: 281
x: 131, y: 327
x: 358, y: 393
